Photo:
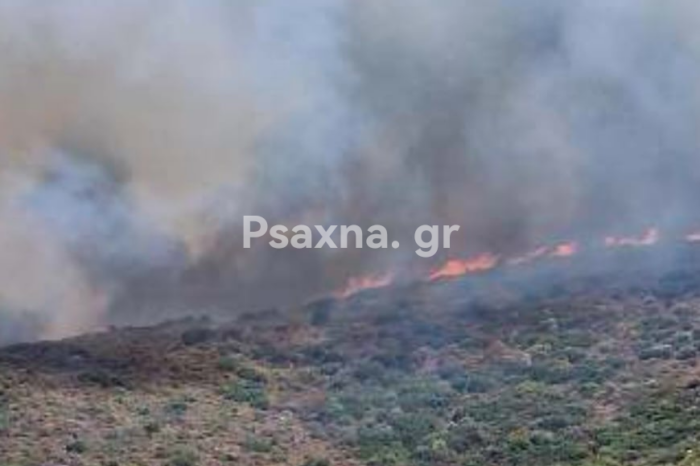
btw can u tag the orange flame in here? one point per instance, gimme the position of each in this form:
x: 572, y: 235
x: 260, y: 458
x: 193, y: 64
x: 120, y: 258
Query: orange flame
x: 649, y: 238
x: 565, y: 249
x: 367, y: 282
x: 457, y: 267
x: 487, y: 261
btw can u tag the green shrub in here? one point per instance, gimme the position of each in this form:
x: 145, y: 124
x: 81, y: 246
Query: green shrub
x: 321, y: 312
x: 176, y: 408
x: 4, y: 417
x: 316, y: 462
x: 151, y: 428
x: 258, y: 445
x: 251, y: 374
x: 477, y: 383
x: 227, y: 364
x: 412, y: 428
x: 246, y: 391
x: 687, y: 352
x: 197, y: 336
x: 101, y: 378
x: 76, y: 446
x: 388, y: 455
x: 656, y: 352
x: 183, y: 457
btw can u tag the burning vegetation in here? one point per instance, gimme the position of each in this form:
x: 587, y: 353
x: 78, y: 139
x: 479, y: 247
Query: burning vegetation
x: 531, y: 367
x: 135, y: 136
x: 557, y: 141
x: 456, y: 268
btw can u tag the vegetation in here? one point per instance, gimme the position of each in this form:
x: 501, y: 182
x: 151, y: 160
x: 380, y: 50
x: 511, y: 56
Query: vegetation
x: 246, y: 391
x: 4, y: 414
x: 587, y: 376
x: 183, y: 457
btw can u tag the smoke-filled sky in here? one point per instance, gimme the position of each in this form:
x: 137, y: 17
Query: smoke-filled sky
x: 135, y: 134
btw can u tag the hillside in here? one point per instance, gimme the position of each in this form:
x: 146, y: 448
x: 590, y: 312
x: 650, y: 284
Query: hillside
x: 497, y: 370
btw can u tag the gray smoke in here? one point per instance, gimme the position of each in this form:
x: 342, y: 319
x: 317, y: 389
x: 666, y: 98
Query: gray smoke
x: 135, y: 134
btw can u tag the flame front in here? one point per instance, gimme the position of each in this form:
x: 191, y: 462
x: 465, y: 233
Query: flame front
x: 367, y: 282
x: 565, y: 250
x: 454, y: 268
x: 457, y: 267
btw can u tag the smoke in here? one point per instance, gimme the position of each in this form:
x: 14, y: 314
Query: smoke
x: 135, y: 134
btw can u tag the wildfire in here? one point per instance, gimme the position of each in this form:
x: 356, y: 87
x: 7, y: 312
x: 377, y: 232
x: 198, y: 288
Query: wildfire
x: 565, y: 250
x: 457, y: 267
x: 484, y: 262
x: 649, y: 238
x: 368, y: 282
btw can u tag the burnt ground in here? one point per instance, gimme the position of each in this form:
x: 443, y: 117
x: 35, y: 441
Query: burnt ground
x: 549, y: 365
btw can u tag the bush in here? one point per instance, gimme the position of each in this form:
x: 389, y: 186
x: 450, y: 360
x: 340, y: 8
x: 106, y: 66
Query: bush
x: 321, y: 312
x: 258, y: 445
x: 316, y: 462
x: 425, y: 394
x: 101, y: 378
x: 76, y: 446
x: 656, y: 352
x: 413, y: 428
x: 4, y: 417
x: 687, y: 352
x: 246, y: 391
x: 477, y: 383
x: 236, y: 366
x: 465, y: 435
x: 151, y: 428
x: 176, y: 408
x: 197, y: 336
x: 250, y: 374
x: 389, y: 455
x: 227, y: 364
x: 183, y: 457
x: 659, y: 425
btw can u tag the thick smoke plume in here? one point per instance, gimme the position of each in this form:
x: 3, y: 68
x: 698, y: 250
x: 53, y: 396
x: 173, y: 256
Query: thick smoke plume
x: 135, y: 134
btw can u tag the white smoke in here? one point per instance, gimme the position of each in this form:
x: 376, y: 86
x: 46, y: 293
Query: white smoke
x: 134, y: 134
